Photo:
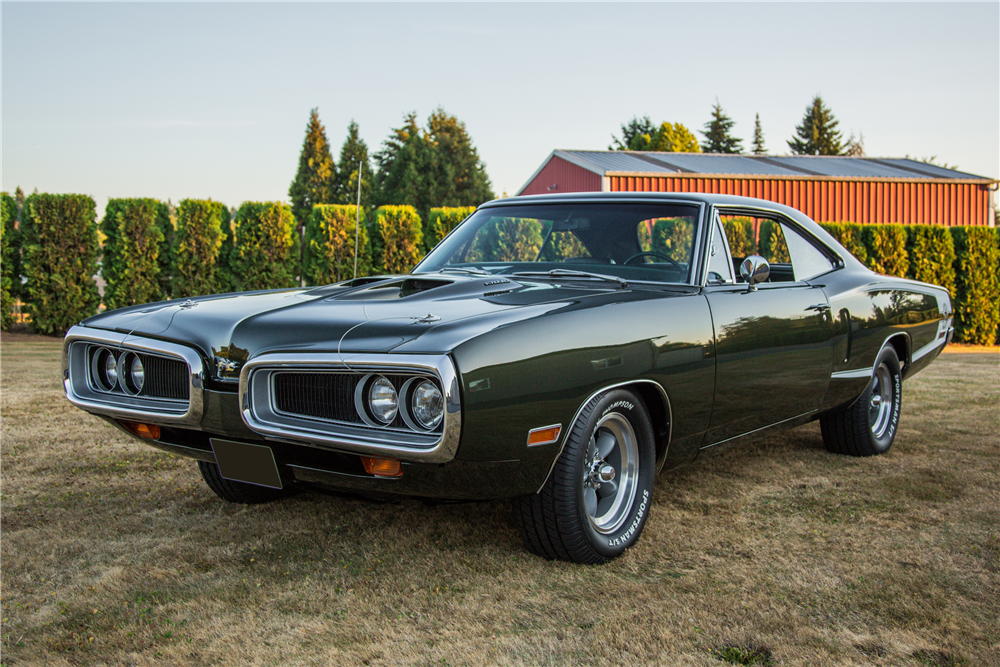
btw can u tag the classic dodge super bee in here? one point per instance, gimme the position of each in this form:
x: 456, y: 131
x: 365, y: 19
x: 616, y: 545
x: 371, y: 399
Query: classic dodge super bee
x: 557, y: 350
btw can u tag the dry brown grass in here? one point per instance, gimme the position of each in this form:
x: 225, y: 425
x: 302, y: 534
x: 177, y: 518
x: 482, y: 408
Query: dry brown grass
x: 116, y: 554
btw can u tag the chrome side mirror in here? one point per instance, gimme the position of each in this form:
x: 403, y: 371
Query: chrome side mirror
x: 755, y: 269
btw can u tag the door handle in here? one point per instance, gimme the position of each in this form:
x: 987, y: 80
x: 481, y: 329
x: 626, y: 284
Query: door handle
x: 820, y: 307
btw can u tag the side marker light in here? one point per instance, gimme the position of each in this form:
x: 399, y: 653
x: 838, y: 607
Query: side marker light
x: 545, y: 435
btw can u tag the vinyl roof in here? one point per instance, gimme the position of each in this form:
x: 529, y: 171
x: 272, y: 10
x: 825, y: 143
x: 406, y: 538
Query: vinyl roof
x: 609, y: 162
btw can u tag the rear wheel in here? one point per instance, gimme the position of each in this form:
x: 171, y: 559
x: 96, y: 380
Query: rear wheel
x: 239, y: 492
x: 597, y: 499
x: 868, y: 426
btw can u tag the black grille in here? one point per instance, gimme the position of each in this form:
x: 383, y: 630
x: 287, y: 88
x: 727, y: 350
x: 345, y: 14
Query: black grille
x: 165, y: 378
x: 317, y: 395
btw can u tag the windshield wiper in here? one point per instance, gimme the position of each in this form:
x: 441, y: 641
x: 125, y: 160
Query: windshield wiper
x: 566, y: 273
x: 476, y: 271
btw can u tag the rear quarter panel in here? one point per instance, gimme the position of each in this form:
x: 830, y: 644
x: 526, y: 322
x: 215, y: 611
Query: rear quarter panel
x: 868, y: 311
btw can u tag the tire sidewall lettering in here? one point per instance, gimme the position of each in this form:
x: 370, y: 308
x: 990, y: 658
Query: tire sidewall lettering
x: 630, y: 408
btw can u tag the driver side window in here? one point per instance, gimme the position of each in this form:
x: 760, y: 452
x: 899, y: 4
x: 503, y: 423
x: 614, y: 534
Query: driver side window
x: 791, y: 256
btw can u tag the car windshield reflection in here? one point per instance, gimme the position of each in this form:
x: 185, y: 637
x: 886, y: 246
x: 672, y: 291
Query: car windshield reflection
x: 618, y: 242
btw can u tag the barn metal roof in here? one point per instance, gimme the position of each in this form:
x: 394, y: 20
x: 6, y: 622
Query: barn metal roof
x: 607, y: 163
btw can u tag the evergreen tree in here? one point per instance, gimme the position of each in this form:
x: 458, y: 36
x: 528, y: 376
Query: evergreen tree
x: 717, y: 136
x: 354, y: 154
x: 429, y: 168
x: 461, y: 174
x: 758, y: 138
x: 314, y: 181
x: 643, y: 135
x: 636, y: 135
x: 818, y: 134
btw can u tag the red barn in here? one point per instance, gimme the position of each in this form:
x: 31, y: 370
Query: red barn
x: 827, y: 189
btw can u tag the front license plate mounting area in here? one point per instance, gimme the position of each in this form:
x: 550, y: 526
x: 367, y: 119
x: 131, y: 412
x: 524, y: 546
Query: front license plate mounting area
x: 243, y: 462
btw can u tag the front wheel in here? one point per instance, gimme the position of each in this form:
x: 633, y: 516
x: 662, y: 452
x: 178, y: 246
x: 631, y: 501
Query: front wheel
x: 868, y: 426
x: 597, y: 499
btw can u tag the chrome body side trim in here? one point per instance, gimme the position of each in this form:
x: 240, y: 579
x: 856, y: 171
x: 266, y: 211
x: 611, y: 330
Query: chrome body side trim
x: 79, y: 392
x: 852, y: 375
x: 572, y: 422
x: 258, y: 413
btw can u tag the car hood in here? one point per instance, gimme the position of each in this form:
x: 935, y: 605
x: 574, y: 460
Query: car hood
x: 362, y: 316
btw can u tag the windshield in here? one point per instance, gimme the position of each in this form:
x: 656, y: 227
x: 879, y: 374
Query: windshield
x: 633, y: 241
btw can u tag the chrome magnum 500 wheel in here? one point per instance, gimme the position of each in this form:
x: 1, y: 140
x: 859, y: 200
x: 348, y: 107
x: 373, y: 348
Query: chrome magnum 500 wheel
x: 868, y: 426
x: 598, y: 497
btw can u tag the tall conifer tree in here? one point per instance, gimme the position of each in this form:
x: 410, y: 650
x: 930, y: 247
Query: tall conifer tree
x: 818, y: 134
x: 314, y: 182
x: 438, y: 166
x: 354, y: 154
x: 717, y: 133
x: 758, y: 138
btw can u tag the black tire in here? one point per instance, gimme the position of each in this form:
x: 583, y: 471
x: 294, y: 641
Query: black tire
x: 578, y: 516
x: 868, y: 426
x: 239, y: 492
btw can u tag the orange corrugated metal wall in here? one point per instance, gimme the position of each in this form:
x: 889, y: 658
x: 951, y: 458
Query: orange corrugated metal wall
x: 948, y: 204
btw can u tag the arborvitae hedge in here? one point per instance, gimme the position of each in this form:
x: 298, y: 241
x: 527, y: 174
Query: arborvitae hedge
x: 267, y: 247
x: 165, y: 261
x: 977, y: 298
x: 773, y: 247
x: 199, y: 237
x: 931, y: 252
x: 329, y: 245
x: 443, y: 220
x: 132, y: 241
x: 398, y: 239
x: 8, y: 216
x: 226, y: 279
x: 739, y: 232
x: 851, y: 236
x: 886, y: 246
x: 60, y: 253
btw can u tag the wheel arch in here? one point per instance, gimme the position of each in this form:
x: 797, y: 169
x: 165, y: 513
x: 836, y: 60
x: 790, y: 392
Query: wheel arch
x: 658, y: 408
x: 902, y: 345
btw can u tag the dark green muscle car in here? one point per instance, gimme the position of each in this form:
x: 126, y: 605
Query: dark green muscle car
x: 557, y: 350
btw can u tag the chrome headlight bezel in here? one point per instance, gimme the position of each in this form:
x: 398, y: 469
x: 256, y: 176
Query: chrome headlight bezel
x: 402, y: 439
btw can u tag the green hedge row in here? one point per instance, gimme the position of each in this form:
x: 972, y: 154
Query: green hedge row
x: 964, y: 260
x: 151, y: 252
x: 329, y: 245
x: 59, y: 254
x: 53, y: 245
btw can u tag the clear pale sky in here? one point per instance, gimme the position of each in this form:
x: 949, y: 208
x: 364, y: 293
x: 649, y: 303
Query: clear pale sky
x: 212, y: 100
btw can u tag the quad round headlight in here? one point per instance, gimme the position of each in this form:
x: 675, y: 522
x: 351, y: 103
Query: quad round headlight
x: 110, y: 369
x: 104, y: 369
x: 382, y: 400
x: 137, y: 374
x: 427, y: 405
x: 131, y: 373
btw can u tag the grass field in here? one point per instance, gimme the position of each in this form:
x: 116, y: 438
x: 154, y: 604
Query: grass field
x: 775, y: 553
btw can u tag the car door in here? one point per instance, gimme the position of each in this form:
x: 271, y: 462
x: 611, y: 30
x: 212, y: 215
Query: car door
x: 774, y: 344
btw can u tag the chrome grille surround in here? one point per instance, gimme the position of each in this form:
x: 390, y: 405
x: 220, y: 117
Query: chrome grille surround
x: 84, y: 391
x: 351, y: 432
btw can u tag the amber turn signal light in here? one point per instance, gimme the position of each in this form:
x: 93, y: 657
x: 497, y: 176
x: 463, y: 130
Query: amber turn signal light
x: 544, y: 436
x: 382, y: 467
x: 150, y: 431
